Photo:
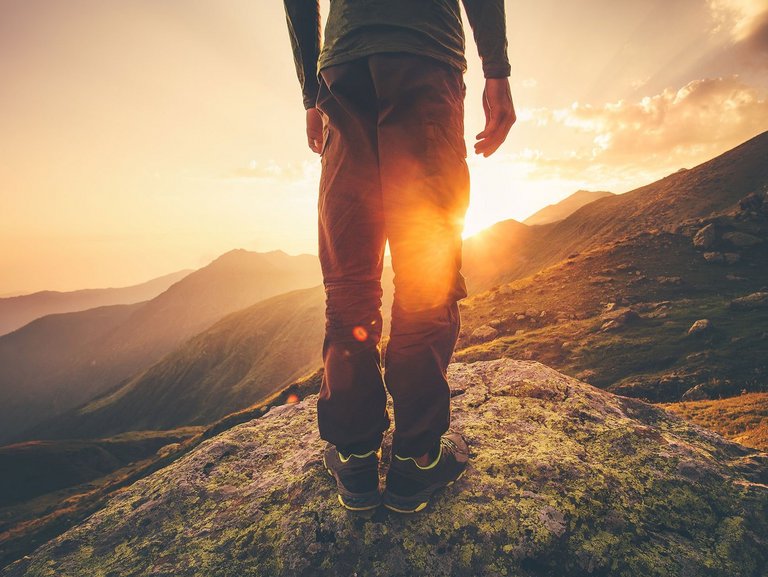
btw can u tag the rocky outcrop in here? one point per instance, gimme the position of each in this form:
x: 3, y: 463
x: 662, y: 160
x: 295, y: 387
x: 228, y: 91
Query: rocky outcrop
x: 564, y: 479
x: 756, y: 300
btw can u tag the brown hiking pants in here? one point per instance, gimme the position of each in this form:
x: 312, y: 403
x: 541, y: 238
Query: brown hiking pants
x: 393, y: 167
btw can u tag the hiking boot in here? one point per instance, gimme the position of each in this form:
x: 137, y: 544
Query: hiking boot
x: 357, y: 478
x: 410, y: 486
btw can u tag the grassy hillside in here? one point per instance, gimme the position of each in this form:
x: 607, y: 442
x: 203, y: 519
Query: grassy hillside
x: 743, y: 419
x: 618, y: 316
x: 55, y: 364
x: 242, y: 359
x: 34, y: 468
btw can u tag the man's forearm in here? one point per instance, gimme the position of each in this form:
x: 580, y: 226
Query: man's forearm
x: 489, y: 27
x: 303, y: 18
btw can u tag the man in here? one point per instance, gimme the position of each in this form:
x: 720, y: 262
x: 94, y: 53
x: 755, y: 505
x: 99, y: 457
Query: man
x: 384, y: 100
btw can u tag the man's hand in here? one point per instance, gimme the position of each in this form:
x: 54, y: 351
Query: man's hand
x: 315, y: 130
x: 499, y: 116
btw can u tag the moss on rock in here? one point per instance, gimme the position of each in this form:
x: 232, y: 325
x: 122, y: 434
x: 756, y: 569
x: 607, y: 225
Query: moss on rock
x: 565, y: 479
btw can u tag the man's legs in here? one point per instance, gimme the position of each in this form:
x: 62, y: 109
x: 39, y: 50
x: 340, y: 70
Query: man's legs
x: 425, y: 194
x: 352, y: 403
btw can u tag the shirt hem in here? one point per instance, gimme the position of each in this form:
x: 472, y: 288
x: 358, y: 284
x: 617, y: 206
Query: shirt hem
x: 459, y: 63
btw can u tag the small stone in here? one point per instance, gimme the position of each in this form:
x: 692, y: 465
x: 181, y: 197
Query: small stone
x: 706, y: 237
x: 669, y: 280
x: 700, y: 326
x: 696, y: 393
x: 714, y: 257
x: 732, y: 257
x: 484, y: 333
x: 619, y: 320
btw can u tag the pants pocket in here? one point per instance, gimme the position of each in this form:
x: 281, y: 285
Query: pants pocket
x: 445, y: 146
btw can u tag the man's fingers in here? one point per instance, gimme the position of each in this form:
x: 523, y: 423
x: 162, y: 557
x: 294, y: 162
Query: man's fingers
x: 315, y: 130
x: 315, y: 140
x: 497, y: 124
x: 493, y: 137
x: 315, y: 145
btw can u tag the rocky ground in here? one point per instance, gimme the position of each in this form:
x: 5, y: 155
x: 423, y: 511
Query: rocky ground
x: 565, y: 479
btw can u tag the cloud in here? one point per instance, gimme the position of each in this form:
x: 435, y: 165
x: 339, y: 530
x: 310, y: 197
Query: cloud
x: 690, y: 124
x: 746, y: 22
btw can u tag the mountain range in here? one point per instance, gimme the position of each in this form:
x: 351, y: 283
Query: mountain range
x: 17, y: 311
x: 207, y: 372
x: 59, y: 361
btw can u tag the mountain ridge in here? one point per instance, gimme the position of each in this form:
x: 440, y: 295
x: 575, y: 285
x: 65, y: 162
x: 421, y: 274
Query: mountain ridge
x: 564, y: 208
x: 102, y: 359
x: 21, y: 309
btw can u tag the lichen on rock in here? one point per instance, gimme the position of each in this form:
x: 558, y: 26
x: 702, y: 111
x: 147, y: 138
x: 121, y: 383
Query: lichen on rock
x: 565, y: 479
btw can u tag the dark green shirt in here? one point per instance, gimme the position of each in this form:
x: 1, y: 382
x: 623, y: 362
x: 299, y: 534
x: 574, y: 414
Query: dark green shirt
x: 358, y: 28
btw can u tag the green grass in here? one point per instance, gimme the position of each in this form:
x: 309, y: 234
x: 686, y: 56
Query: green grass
x: 743, y: 419
x: 653, y: 357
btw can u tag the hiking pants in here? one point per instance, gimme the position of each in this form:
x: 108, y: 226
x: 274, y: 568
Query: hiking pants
x: 393, y: 168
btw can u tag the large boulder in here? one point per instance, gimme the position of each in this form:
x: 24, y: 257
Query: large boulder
x: 564, y: 480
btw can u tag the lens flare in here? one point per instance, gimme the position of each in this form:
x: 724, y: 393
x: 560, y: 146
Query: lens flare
x: 360, y: 333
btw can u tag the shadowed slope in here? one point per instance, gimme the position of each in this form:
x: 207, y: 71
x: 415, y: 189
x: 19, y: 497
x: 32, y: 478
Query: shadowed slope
x: 242, y: 359
x: 51, y: 365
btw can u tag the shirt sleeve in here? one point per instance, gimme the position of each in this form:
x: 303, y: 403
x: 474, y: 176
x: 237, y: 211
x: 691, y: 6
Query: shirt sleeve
x: 489, y: 27
x: 303, y: 18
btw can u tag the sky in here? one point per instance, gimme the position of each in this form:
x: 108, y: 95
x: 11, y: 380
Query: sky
x: 141, y: 137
